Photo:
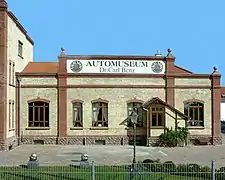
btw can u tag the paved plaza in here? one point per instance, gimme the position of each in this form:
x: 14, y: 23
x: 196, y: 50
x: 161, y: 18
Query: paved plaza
x: 70, y: 154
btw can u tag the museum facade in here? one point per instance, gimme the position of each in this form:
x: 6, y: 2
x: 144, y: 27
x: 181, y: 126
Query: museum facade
x: 88, y: 99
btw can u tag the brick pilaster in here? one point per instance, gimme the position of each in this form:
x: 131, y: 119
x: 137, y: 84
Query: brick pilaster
x: 62, y: 95
x: 169, y: 79
x: 3, y: 71
x: 215, y: 97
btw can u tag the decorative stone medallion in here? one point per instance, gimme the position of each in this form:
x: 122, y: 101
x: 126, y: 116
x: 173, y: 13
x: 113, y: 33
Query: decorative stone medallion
x: 157, y: 67
x: 76, y: 66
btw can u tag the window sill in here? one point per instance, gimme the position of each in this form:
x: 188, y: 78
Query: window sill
x: 20, y: 56
x: 12, y: 85
x: 76, y: 128
x: 137, y: 128
x: 11, y: 129
x: 157, y: 127
x: 38, y: 128
x: 99, y: 128
x: 196, y: 127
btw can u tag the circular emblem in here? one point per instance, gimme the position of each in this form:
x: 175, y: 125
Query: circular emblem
x: 76, y: 66
x: 157, y: 67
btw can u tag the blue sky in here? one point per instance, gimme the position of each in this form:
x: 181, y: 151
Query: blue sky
x: 195, y: 30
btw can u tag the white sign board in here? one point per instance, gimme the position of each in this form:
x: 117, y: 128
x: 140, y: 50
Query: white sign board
x: 222, y: 111
x: 115, y: 66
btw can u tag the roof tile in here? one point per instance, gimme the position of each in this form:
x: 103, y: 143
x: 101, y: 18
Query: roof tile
x: 41, y: 67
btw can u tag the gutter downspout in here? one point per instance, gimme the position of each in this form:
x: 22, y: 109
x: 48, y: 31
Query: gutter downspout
x: 148, y: 130
x: 19, y: 119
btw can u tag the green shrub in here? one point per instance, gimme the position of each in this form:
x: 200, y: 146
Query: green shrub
x: 190, y: 170
x: 148, y: 161
x: 153, y: 165
x: 220, y: 176
x: 182, y: 168
x: 205, y: 169
x: 169, y: 166
x: 194, y: 168
x: 173, y: 138
x: 222, y: 169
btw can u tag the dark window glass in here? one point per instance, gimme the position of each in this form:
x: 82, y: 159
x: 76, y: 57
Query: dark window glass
x: 38, y: 114
x: 195, y: 113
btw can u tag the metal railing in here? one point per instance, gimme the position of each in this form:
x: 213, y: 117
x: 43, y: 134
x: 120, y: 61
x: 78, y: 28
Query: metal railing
x: 138, y: 171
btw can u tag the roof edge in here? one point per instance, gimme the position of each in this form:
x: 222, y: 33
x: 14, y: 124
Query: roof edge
x: 116, y: 57
x: 183, y: 69
x: 19, y: 25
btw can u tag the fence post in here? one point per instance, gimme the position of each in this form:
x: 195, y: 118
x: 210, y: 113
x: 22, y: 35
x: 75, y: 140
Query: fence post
x: 213, y: 170
x: 92, y: 170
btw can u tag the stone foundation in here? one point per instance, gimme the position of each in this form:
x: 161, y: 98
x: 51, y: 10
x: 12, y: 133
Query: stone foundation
x: 152, y: 141
x: 76, y: 140
x: 44, y: 139
x: 193, y: 138
x: 12, y: 142
x: 217, y: 140
x: 8, y: 144
x: 211, y: 140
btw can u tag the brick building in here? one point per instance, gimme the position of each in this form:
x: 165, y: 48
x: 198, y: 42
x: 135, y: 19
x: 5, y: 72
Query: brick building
x: 86, y: 99
x: 16, y: 50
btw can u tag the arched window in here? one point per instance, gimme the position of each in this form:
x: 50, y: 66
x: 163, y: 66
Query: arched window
x: 137, y: 107
x: 195, y: 112
x: 38, y: 114
x: 77, y: 114
x: 100, y: 114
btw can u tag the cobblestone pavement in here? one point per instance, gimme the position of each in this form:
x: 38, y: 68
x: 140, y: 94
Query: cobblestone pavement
x: 59, y: 155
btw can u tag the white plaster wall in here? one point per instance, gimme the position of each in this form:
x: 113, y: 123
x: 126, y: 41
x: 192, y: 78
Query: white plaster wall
x: 15, y: 35
x: 222, y: 111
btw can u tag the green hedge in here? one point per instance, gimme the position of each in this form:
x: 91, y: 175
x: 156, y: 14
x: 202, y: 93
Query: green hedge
x: 191, y: 170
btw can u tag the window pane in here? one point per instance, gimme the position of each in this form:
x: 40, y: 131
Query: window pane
x: 41, y: 124
x: 31, y: 124
x: 39, y: 103
x: 75, y: 114
x: 77, y: 104
x: 154, y: 119
x: 195, y: 113
x: 36, y: 109
x: 129, y: 109
x: 41, y: 113
x: 46, y: 124
x: 140, y: 114
x: 193, y: 123
x: 100, y: 114
x: 186, y: 109
x: 80, y: 114
x: 105, y: 113
x: 46, y: 114
x: 200, y: 123
x: 36, y: 124
x: 201, y: 114
x: 30, y: 113
x: 191, y: 113
x: 160, y: 119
